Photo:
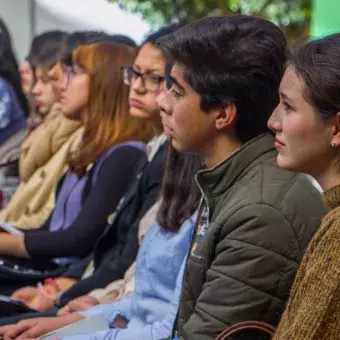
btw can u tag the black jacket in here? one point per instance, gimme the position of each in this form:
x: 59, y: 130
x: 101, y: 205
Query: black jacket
x: 117, y: 247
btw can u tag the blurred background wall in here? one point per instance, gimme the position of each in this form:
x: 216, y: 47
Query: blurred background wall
x: 25, y: 18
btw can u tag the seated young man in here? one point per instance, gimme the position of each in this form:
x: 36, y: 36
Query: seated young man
x: 256, y: 219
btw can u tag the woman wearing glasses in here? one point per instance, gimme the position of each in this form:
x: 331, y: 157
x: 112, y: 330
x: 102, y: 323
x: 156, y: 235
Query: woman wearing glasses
x: 146, y: 79
x: 110, y: 152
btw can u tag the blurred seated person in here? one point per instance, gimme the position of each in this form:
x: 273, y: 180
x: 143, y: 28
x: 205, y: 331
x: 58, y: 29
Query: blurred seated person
x: 34, y: 199
x: 110, y: 152
x: 40, y: 171
x: 40, y: 44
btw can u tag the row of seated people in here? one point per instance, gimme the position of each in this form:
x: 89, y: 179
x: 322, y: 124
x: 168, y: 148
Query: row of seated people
x: 41, y: 171
x: 228, y: 225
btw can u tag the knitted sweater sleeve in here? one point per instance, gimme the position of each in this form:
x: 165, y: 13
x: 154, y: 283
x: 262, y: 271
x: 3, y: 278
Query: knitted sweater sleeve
x: 312, y: 303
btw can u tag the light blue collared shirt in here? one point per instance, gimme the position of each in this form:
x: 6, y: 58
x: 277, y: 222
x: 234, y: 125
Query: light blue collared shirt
x: 152, y: 309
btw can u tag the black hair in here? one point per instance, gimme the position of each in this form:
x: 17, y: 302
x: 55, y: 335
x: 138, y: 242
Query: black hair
x: 43, y: 42
x: 79, y: 38
x: 153, y: 37
x: 317, y: 63
x: 48, y: 54
x: 179, y: 194
x: 9, y: 67
x: 121, y: 39
x: 232, y: 59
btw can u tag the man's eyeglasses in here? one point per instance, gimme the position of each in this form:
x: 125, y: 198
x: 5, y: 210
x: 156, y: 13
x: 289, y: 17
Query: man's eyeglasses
x: 150, y: 82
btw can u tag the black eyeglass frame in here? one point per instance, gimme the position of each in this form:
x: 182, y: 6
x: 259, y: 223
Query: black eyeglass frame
x: 129, y: 73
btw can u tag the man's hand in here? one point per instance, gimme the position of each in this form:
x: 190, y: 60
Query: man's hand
x: 77, y: 305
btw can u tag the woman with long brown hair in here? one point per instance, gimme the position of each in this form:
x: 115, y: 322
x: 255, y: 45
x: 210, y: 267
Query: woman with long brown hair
x: 106, y: 117
x: 110, y: 151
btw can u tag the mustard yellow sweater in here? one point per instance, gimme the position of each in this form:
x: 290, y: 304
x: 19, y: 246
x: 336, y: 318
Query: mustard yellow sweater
x: 313, y: 310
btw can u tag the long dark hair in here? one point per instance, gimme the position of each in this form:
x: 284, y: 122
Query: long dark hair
x: 9, y: 67
x: 107, y: 121
x: 179, y: 194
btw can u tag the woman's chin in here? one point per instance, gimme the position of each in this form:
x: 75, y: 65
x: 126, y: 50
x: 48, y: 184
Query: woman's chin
x: 287, y: 164
x: 72, y: 115
x: 282, y: 162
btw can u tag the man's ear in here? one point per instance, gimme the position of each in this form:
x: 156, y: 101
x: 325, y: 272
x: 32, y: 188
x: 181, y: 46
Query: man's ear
x: 226, y: 116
